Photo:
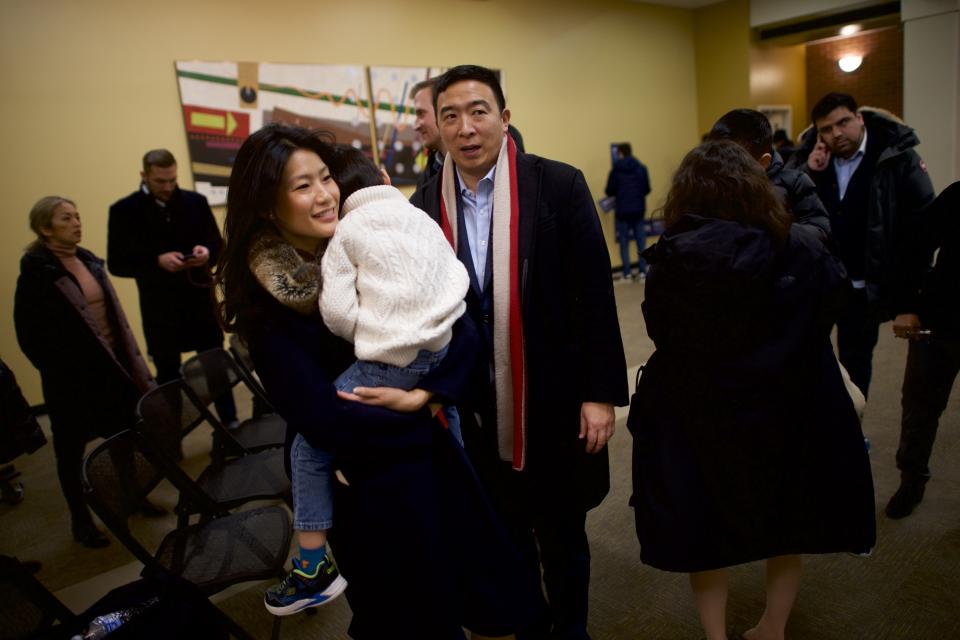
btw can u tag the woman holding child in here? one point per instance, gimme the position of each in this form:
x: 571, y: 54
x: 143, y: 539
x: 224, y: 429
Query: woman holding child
x: 413, y: 533
x: 746, y: 443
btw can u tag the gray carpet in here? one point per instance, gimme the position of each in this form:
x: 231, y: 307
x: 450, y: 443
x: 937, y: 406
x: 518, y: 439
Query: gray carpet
x: 907, y: 590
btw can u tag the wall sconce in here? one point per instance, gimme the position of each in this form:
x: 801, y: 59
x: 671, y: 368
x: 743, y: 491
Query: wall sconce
x: 850, y: 62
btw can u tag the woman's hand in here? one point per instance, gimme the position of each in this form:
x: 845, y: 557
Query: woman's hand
x: 389, y: 398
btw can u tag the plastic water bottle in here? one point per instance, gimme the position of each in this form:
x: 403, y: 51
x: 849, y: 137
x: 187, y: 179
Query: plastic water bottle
x: 100, y: 626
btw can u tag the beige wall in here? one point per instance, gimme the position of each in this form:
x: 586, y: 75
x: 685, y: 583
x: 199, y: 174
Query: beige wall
x: 89, y: 86
x: 777, y: 76
x: 723, y: 60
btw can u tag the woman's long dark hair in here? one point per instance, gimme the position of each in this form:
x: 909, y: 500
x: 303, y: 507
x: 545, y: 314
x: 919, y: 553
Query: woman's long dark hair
x: 719, y: 179
x: 252, y: 196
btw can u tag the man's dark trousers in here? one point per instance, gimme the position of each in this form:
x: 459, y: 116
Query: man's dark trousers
x: 858, y: 329
x: 932, y: 367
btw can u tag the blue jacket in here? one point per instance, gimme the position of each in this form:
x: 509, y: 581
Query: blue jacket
x: 629, y: 184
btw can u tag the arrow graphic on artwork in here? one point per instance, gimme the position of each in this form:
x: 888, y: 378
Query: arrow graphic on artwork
x: 213, y: 121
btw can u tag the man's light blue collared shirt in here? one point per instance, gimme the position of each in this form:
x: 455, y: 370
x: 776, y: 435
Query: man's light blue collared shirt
x: 845, y: 168
x: 477, y: 216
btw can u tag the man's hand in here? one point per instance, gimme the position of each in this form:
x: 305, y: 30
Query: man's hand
x: 389, y: 398
x: 596, y: 425
x: 906, y: 325
x: 201, y: 256
x: 819, y: 158
x: 171, y: 261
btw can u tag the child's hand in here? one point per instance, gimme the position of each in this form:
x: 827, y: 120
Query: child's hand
x: 389, y: 398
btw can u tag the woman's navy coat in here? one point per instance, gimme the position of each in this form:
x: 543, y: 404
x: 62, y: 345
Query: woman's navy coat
x: 746, y: 443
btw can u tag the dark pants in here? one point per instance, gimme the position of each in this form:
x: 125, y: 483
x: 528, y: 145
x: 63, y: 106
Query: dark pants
x: 624, y: 230
x: 549, y: 536
x: 932, y: 366
x: 857, y: 332
x: 168, y: 368
x: 68, y: 447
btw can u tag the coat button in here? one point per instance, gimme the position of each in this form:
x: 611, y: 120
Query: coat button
x: 486, y: 318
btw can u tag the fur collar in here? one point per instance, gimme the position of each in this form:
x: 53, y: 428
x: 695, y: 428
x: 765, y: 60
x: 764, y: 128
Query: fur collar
x: 285, y: 273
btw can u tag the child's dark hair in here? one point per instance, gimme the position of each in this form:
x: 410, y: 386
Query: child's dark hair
x: 748, y: 128
x: 353, y: 171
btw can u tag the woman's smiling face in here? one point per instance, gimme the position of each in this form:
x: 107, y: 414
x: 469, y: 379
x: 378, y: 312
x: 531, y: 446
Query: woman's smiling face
x: 308, y: 202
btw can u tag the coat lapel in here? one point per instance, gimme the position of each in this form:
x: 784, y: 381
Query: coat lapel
x: 529, y: 174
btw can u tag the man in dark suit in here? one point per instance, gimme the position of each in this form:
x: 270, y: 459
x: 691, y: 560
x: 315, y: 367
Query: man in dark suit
x: 165, y: 237
x: 541, y: 410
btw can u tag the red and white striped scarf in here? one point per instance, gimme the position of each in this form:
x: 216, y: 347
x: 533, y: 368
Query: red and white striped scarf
x: 510, y: 373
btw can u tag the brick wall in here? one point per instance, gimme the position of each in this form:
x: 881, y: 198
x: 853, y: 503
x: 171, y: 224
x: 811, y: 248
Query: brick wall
x: 877, y: 83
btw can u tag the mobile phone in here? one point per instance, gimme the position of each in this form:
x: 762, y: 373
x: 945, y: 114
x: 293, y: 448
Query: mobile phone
x: 188, y: 256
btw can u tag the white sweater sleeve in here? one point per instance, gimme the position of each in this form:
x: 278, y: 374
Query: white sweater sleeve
x: 338, y: 295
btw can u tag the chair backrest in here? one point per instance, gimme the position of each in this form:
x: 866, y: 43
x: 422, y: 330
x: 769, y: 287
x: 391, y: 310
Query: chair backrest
x: 241, y: 355
x: 26, y: 606
x: 169, y: 412
x: 211, y: 374
x: 117, y: 477
x: 240, y: 352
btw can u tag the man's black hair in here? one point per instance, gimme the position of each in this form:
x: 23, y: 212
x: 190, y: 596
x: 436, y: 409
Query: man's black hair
x: 625, y: 149
x: 748, y: 128
x: 829, y: 102
x: 353, y: 171
x: 469, y: 72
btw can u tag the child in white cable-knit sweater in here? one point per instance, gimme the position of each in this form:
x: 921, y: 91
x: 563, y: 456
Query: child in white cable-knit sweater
x: 391, y: 283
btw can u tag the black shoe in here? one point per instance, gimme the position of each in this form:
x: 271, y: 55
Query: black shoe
x: 150, y: 510
x: 89, y: 536
x: 903, y: 502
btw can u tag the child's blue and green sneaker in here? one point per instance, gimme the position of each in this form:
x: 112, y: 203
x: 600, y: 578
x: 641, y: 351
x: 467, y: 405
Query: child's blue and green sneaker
x: 299, y: 591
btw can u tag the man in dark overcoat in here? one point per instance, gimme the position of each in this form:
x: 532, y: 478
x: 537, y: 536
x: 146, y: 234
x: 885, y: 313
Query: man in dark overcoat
x: 874, y: 186
x: 166, y: 237
x: 553, y: 367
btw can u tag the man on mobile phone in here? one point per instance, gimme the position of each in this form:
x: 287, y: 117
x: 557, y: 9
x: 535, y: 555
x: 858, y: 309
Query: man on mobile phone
x: 164, y: 237
x: 874, y: 186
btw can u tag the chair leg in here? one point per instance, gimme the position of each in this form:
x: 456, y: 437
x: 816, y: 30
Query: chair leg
x: 275, y: 632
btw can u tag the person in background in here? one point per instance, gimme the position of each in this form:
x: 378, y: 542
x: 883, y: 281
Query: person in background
x: 425, y: 124
x: 746, y: 444
x: 70, y: 325
x: 629, y: 183
x: 783, y: 144
x: 751, y: 130
x: 165, y: 237
x: 928, y: 315
x: 873, y: 185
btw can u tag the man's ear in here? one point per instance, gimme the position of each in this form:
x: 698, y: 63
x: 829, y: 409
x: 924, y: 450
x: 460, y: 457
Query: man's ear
x: 143, y: 176
x: 765, y: 161
x: 505, y: 118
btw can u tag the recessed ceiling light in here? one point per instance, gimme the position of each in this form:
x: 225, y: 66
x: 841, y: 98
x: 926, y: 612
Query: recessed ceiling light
x: 850, y: 62
x: 850, y: 29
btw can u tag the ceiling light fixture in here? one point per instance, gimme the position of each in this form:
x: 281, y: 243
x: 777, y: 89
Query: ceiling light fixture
x: 850, y: 63
x: 850, y: 29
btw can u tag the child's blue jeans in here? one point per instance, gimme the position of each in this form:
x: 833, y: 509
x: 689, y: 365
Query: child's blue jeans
x: 312, y: 469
